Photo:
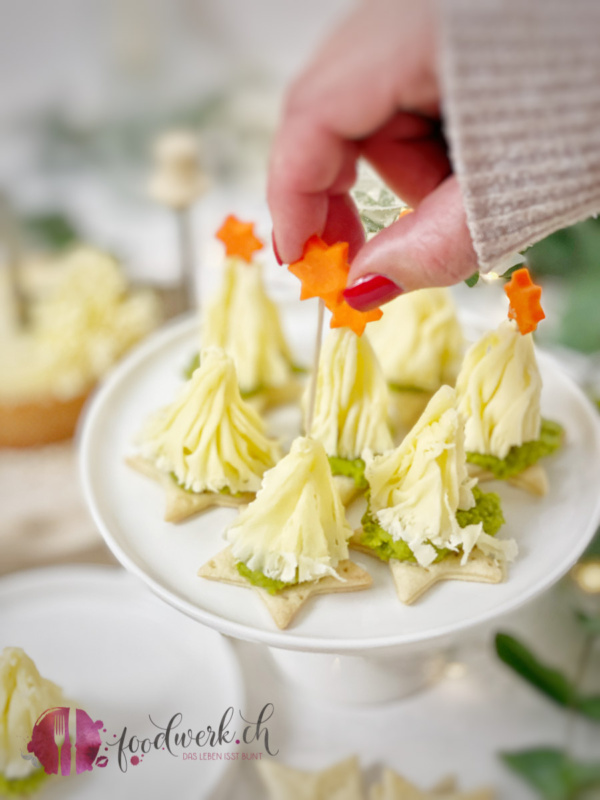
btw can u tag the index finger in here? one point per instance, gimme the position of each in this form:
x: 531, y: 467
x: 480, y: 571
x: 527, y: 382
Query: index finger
x: 343, y: 98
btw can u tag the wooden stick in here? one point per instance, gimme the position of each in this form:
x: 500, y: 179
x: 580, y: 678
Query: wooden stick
x: 312, y: 397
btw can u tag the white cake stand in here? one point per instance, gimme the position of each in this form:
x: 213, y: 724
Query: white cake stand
x: 363, y: 646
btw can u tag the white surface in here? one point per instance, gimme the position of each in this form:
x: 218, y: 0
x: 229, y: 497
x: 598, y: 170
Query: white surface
x: 459, y: 727
x: 121, y: 655
x: 128, y: 509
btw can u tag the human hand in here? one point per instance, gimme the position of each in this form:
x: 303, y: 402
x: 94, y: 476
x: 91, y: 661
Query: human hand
x: 372, y: 91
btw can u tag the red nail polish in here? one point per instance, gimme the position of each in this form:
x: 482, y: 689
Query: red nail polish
x: 371, y: 291
x: 275, y: 250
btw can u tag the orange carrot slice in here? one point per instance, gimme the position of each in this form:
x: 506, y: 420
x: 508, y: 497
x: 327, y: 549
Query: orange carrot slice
x: 524, y: 297
x: 344, y: 316
x: 323, y: 272
x: 238, y: 238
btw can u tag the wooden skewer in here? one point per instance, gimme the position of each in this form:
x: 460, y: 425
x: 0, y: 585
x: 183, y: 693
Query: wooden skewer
x: 312, y: 397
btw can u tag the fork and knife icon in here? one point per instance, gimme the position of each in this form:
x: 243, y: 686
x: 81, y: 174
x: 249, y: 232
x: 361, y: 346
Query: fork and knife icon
x: 66, y: 723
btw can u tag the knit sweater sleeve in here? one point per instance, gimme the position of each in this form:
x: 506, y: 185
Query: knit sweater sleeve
x: 521, y: 88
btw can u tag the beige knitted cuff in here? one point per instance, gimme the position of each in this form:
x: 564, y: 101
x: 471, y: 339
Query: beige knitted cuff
x: 521, y: 88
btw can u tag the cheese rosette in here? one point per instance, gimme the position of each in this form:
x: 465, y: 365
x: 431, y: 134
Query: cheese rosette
x: 209, y: 438
x: 79, y: 327
x: 24, y: 695
x: 499, y: 389
x: 244, y: 321
x: 417, y: 489
x: 419, y: 341
x: 352, y: 398
x: 296, y: 528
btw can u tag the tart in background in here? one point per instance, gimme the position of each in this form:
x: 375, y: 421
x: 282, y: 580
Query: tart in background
x: 83, y: 322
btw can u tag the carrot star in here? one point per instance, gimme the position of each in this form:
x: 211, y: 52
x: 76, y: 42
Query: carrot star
x: 238, y: 238
x: 344, y: 316
x: 524, y: 297
x: 323, y: 272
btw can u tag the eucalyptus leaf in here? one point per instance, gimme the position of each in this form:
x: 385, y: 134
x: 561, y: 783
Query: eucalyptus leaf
x: 510, y: 270
x: 589, y: 707
x: 589, y: 622
x: 553, y: 773
x: 52, y: 230
x: 593, y: 549
x: 549, y: 681
x: 580, y: 323
x: 568, y: 252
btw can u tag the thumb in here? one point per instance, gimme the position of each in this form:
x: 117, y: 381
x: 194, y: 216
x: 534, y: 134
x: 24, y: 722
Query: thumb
x: 430, y: 247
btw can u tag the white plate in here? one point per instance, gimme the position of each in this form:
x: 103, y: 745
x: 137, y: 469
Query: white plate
x: 122, y: 655
x: 128, y: 510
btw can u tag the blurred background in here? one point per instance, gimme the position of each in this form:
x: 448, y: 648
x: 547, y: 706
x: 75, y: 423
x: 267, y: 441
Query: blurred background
x: 86, y: 88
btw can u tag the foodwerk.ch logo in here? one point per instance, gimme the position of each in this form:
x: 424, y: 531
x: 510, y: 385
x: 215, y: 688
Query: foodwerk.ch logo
x: 66, y: 741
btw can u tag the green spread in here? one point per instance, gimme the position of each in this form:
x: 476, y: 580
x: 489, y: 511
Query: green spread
x: 398, y: 387
x: 17, y: 787
x: 522, y: 456
x: 349, y: 468
x: 192, y: 366
x: 194, y: 363
x: 298, y: 369
x: 224, y: 490
x: 487, y: 510
x: 257, y: 578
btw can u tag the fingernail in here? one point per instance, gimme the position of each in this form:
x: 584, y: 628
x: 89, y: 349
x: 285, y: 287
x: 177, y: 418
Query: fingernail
x: 371, y: 291
x: 275, y: 250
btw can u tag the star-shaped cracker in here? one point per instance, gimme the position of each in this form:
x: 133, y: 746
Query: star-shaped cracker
x: 534, y: 479
x: 340, y: 782
x: 181, y: 504
x: 238, y: 238
x: 323, y: 272
x: 524, y: 297
x: 284, y: 605
x: 394, y: 787
x: 412, y: 580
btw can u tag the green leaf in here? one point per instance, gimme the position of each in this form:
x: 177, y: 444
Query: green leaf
x: 473, y: 279
x: 553, y: 773
x: 52, y: 230
x: 549, y: 681
x: 571, y: 251
x: 512, y: 269
x: 580, y: 323
x: 593, y: 549
x: 589, y: 707
x: 590, y: 623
